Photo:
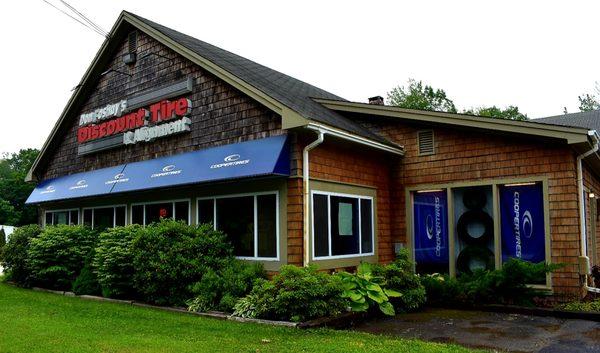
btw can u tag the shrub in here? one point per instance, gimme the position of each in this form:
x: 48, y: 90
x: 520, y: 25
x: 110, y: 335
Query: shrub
x: 58, y: 254
x: 220, y: 290
x: 399, y: 276
x: 170, y: 256
x: 593, y: 306
x: 295, y: 294
x: 14, y: 254
x: 2, y: 241
x: 508, y: 285
x: 113, y: 261
x: 365, y: 290
x: 87, y: 281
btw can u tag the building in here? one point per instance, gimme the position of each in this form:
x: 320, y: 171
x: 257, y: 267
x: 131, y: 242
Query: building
x: 165, y: 125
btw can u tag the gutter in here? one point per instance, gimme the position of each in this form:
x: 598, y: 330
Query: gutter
x: 584, y: 261
x: 306, y: 192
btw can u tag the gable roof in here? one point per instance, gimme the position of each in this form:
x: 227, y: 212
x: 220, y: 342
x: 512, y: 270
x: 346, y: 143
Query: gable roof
x: 287, y: 96
x: 588, y: 120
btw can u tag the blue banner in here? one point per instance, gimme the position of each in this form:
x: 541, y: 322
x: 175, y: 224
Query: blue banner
x: 430, y: 211
x: 523, y: 232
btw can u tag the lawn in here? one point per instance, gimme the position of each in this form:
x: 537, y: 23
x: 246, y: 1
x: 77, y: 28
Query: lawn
x: 42, y: 322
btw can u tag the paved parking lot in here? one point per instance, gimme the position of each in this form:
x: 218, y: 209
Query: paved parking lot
x: 502, y: 332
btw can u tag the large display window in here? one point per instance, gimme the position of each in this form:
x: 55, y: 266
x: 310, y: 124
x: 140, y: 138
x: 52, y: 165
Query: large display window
x: 460, y: 228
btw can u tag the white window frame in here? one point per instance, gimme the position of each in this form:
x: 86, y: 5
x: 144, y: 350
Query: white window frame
x: 353, y: 196
x: 254, y: 195
x: 189, y: 201
x: 63, y: 210
x: 114, y: 207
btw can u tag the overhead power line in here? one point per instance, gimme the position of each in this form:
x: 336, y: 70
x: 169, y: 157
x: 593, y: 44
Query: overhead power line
x: 86, y: 21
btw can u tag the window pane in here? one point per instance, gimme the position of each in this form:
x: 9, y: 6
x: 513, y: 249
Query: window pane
x: 120, y: 213
x: 74, y: 217
x: 137, y: 214
x: 235, y: 217
x: 48, y: 218
x: 267, y: 225
x: 87, y: 217
x: 104, y: 218
x: 366, y: 226
x: 344, y: 225
x: 61, y: 217
x: 321, y: 228
x: 156, y: 211
x: 182, y: 210
x: 206, y: 212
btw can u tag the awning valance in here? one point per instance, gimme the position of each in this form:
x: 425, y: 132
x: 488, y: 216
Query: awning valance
x: 268, y: 156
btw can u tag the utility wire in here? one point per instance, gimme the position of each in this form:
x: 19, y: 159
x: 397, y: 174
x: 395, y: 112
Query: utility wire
x: 76, y: 19
x: 85, y: 18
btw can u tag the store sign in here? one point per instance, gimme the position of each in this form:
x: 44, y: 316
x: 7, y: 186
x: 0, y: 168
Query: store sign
x: 430, y: 211
x: 230, y: 161
x: 522, y: 222
x: 147, y: 123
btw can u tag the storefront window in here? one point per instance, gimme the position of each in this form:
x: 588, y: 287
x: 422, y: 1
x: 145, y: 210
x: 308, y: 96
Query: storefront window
x: 148, y: 213
x: 250, y: 222
x: 57, y: 217
x: 342, y: 226
x: 104, y: 217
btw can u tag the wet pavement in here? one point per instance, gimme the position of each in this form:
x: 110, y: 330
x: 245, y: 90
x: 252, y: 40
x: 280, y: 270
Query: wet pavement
x: 493, y: 331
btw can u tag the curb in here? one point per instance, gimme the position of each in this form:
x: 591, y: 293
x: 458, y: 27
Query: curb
x: 523, y: 310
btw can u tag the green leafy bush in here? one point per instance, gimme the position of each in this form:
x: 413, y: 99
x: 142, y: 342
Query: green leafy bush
x: 365, y: 290
x: 220, y: 290
x: 113, y: 261
x: 14, y: 254
x: 508, y: 285
x: 2, y: 241
x: 295, y: 294
x: 399, y: 276
x: 58, y: 254
x: 593, y: 306
x: 87, y: 281
x: 170, y: 256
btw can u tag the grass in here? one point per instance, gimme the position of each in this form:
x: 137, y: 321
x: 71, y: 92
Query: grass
x: 43, y: 322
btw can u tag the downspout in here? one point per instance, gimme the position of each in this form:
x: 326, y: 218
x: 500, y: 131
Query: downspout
x: 306, y: 190
x: 582, y: 228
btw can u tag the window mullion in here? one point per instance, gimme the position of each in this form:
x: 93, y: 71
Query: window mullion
x: 329, y: 224
x: 255, y: 226
x: 215, y: 214
x: 359, y: 227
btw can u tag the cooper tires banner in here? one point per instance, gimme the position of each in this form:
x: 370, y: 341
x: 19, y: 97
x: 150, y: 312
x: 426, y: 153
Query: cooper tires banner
x: 522, y: 222
x: 431, y: 227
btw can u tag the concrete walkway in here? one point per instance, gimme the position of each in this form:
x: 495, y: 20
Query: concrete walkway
x: 503, y: 332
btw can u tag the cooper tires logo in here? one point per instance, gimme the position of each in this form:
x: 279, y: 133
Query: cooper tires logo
x: 429, y: 226
x: 232, y: 158
x: 48, y: 190
x: 527, y: 224
x: 81, y: 184
x: 169, y: 168
x: 119, y: 178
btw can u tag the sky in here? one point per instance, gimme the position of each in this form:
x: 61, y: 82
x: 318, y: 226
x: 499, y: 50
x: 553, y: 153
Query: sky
x: 537, y: 55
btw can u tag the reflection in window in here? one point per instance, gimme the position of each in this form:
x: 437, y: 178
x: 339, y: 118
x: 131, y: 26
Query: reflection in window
x: 145, y: 214
x: 57, y: 217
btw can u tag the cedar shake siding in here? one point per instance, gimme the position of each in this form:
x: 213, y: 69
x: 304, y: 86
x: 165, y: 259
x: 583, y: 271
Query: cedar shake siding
x: 591, y: 184
x: 220, y: 114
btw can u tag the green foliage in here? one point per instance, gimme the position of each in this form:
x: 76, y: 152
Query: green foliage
x: 87, y: 281
x: 592, y: 306
x: 588, y: 102
x: 416, y: 95
x: 296, y: 294
x: 399, y: 276
x: 2, y: 241
x: 365, y: 290
x: 506, y: 286
x: 14, y: 254
x: 113, y: 261
x: 170, y: 256
x: 14, y: 190
x: 220, y: 290
x: 510, y: 113
x: 57, y: 255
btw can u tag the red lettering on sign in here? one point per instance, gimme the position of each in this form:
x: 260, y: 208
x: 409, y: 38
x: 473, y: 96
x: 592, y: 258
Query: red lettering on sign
x: 82, y: 134
x: 155, y: 112
x: 182, y: 107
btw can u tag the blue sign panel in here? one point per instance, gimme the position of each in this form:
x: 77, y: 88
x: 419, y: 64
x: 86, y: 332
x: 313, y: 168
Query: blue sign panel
x: 523, y: 231
x: 267, y: 156
x: 97, y: 182
x: 431, y: 228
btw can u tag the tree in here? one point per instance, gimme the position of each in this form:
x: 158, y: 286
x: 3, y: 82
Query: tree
x: 510, y: 113
x: 588, y: 102
x: 14, y: 190
x: 416, y: 95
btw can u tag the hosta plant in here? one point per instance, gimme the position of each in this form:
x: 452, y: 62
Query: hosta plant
x: 365, y: 290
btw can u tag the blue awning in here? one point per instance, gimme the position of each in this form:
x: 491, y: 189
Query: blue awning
x: 269, y: 156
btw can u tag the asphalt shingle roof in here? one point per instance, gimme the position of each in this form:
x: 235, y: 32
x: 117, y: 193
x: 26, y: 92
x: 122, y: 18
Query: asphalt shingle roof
x: 291, y: 92
x: 588, y: 120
